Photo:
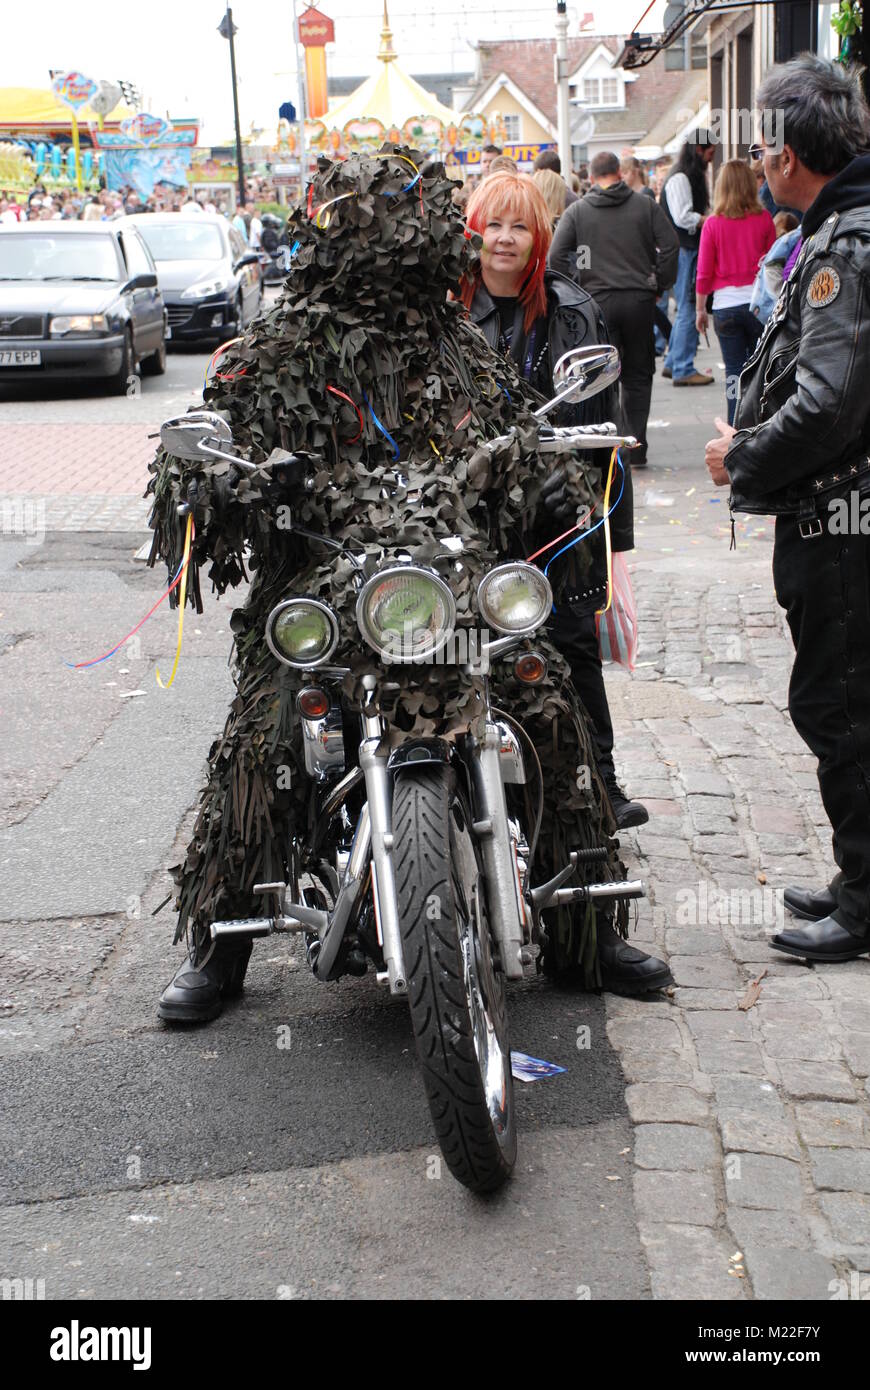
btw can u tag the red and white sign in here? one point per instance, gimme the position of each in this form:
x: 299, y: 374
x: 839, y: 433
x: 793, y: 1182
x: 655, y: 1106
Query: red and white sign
x: 315, y: 29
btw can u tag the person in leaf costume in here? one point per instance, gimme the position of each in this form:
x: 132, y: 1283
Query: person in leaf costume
x: 364, y: 395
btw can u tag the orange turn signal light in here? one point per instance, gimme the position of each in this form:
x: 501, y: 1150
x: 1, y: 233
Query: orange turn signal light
x: 313, y: 703
x: 530, y: 668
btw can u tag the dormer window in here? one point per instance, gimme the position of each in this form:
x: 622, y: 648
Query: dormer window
x: 601, y: 91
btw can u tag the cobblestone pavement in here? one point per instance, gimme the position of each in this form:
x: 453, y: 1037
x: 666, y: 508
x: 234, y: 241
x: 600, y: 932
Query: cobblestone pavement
x: 752, y: 1139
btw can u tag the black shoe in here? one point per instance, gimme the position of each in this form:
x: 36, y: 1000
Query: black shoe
x: 196, y: 993
x: 626, y: 813
x: 825, y: 940
x: 666, y: 371
x: 624, y: 969
x: 810, y: 906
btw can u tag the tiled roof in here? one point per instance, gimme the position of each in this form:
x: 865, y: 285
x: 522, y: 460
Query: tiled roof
x: 529, y: 64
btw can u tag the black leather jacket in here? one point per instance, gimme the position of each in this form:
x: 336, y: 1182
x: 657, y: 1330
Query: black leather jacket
x: 573, y: 320
x: 803, y: 414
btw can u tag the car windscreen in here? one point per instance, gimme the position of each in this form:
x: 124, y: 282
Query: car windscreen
x: 58, y: 256
x: 182, y: 241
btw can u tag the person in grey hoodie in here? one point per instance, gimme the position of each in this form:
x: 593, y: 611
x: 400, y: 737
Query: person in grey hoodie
x: 621, y: 248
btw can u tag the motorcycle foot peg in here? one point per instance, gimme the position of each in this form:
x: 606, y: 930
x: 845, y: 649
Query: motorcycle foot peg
x: 617, y: 891
x: 243, y: 926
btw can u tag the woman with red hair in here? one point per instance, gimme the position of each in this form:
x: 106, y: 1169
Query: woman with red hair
x: 534, y: 315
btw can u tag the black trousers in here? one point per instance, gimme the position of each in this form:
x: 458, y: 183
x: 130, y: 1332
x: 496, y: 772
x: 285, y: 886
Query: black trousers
x: 824, y: 586
x: 577, y: 640
x: 630, y: 316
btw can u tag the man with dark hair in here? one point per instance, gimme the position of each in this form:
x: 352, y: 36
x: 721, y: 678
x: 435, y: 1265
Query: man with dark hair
x: 685, y: 199
x: 487, y: 155
x: 622, y: 249
x: 549, y: 159
x: 800, y: 449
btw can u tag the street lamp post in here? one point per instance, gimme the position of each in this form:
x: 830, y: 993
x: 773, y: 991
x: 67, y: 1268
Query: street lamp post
x: 227, y: 29
x: 303, y: 104
x: 561, y: 74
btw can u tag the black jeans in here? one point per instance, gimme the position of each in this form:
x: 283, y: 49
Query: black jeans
x: 824, y: 586
x: 577, y: 640
x: 738, y: 330
x: 630, y: 319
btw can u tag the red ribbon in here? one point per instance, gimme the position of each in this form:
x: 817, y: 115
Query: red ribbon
x: 359, y: 415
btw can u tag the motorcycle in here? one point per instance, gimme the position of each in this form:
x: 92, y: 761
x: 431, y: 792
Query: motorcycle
x: 418, y: 851
x: 275, y: 257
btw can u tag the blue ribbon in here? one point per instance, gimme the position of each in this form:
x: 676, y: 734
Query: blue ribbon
x: 395, y: 193
x: 584, y: 535
x: 378, y: 425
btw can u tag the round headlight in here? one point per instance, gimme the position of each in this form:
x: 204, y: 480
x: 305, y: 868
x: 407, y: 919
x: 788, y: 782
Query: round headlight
x: 302, y: 632
x: 515, y: 599
x: 405, y: 613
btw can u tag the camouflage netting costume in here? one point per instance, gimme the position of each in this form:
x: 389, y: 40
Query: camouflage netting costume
x: 363, y: 344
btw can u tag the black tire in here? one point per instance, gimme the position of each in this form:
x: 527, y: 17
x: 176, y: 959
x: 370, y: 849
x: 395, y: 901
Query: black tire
x: 120, y: 382
x: 155, y: 363
x: 237, y: 328
x: 438, y: 867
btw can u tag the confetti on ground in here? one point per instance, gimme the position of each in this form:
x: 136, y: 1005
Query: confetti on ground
x: 691, y: 490
x: 526, y: 1068
x: 657, y: 499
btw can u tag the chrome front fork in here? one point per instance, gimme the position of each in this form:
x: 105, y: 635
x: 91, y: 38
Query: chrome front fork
x: 374, y: 764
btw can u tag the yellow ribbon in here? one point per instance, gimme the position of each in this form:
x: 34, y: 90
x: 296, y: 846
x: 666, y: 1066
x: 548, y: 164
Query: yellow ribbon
x: 389, y: 154
x: 181, y: 602
x: 610, y: 473
x: 318, y: 222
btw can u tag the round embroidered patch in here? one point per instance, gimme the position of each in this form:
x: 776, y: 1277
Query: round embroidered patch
x: 824, y: 287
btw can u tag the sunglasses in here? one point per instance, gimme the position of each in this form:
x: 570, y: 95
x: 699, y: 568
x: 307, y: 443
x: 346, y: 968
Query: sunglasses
x: 756, y: 151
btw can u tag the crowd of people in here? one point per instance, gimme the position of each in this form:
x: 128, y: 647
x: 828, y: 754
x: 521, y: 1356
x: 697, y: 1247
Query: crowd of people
x: 44, y: 205
x: 639, y: 237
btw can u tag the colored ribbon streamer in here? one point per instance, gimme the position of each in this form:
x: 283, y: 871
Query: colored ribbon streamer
x: 185, y: 561
x: 378, y: 425
x: 345, y: 397
x: 230, y: 376
x: 609, y: 549
x: 324, y: 208
x: 418, y: 174
x: 82, y: 665
x: 598, y: 524
x: 564, y: 536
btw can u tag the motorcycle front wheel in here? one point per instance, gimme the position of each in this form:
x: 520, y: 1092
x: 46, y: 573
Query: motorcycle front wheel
x: 457, y: 998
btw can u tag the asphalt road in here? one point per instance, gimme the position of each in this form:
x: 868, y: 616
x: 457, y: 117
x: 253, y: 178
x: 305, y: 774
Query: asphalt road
x: 139, y: 1161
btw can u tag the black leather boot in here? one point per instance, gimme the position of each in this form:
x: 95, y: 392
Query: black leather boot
x: 625, y: 969
x: 196, y: 993
x: 626, y: 813
x: 827, y: 940
x: 812, y: 906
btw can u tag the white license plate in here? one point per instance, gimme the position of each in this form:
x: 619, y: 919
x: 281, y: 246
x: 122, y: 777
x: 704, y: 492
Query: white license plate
x: 23, y: 357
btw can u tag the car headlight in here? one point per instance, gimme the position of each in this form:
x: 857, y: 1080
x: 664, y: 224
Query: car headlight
x: 406, y: 613
x: 203, y: 288
x: 302, y: 632
x: 515, y: 599
x: 78, y: 323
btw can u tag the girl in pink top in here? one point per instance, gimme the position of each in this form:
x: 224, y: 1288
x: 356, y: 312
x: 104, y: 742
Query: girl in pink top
x: 733, y: 241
